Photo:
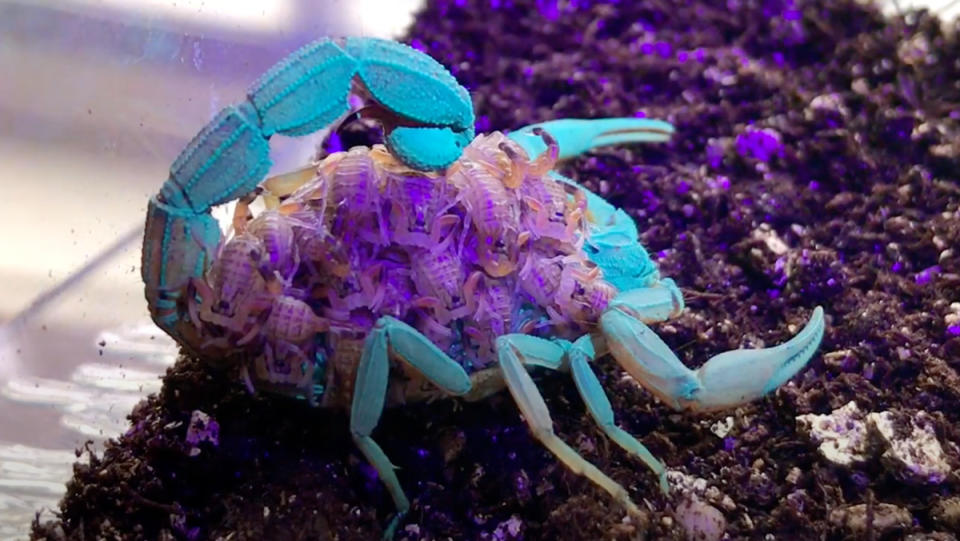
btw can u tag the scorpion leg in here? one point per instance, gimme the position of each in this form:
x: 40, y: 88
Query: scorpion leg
x: 726, y: 380
x: 579, y: 355
x: 391, y: 335
x: 577, y: 136
x: 516, y: 350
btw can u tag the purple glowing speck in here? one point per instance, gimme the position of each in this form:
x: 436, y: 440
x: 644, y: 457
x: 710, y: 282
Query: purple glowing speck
x: 483, y: 123
x: 334, y: 143
x: 729, y: 443
x: 549, y: 9
x: 954, y: 330
x: 664, y: 49
x: 715, y: 152
x: 923, y: 277
x: 762, y: 144
x: 792, y: 14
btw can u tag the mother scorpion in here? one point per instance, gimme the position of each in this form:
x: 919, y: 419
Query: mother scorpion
x: 527, y: 268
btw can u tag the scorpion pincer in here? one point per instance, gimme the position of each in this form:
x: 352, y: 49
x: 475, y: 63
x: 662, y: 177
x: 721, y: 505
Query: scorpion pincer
x: 437, y: 265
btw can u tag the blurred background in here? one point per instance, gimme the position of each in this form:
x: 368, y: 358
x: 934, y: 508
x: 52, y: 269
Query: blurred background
x: 97, y: 97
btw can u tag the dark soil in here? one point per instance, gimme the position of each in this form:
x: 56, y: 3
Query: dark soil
x: 860, y: 185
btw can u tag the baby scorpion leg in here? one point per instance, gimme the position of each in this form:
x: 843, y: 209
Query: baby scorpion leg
x: 391, y: 335
x: 515, y: 350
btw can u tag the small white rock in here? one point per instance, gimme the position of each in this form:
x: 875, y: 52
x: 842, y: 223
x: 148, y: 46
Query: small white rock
x: 829, y: 102
x: 793, y: 476
x: 917, y: 457
x: 841, y: 434
x: 847, y: 436
x: 722, y: 428
x: 689, y: 487
x: 768, y: 236
x: 701, y: 521
x: 508, y: 529
x: 203, y: 428
x: 947, y: 513
x: 886, y: 517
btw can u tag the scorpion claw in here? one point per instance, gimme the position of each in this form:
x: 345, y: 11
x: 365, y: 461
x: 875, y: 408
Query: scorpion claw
x: 411, y: 84
x: 432, y: 113
x: 427, y: 148
x: 724, y: 381
x: 577, y: 136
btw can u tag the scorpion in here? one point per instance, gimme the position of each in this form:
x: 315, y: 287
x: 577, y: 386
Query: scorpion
x: 435, y: 264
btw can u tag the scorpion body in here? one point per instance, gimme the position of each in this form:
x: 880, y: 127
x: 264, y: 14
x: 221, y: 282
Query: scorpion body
x: 446, y: 289
x: 437, y: 264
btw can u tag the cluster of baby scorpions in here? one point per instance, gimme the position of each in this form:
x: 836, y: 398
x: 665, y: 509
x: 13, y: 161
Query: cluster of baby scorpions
x: 490, y: 249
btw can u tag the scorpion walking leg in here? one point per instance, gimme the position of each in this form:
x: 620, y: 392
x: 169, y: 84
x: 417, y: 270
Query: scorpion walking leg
x: 391, y: 335
x: 579, y: 356
x: 512, y: 353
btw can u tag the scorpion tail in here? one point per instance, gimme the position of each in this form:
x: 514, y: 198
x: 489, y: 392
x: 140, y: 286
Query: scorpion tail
x: 301, y: 94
